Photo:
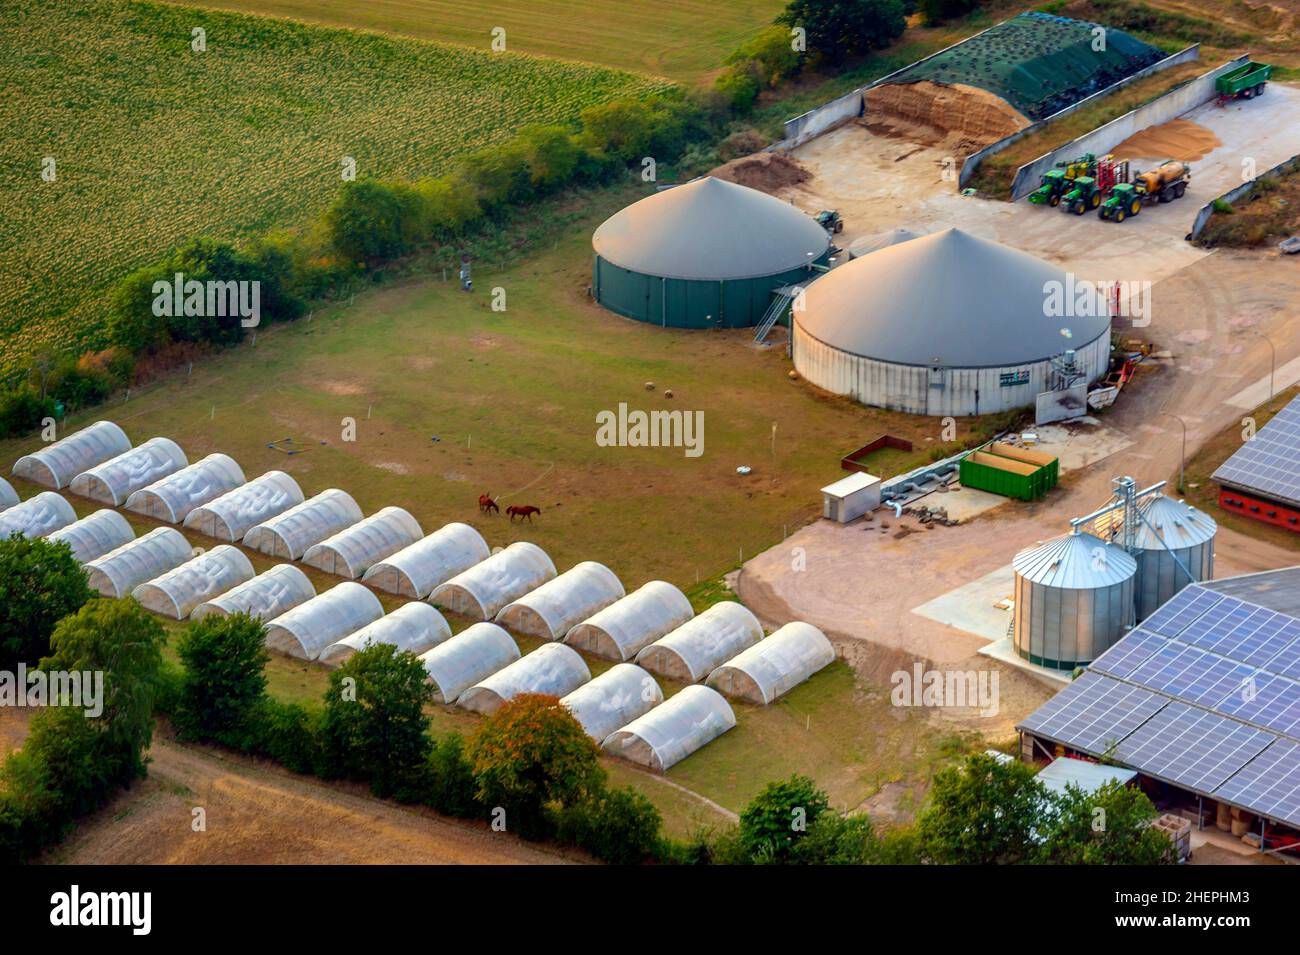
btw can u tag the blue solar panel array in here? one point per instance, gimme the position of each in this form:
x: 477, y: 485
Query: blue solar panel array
x: 1204, y: 695
x: 1270, y: 461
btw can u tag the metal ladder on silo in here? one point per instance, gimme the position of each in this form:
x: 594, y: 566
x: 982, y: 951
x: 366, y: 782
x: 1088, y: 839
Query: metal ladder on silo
x: 781, y: 299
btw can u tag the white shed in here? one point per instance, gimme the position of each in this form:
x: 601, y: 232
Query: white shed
x: 117, y: 478
x: 416, y: 569
x: 552, y: 668
x: 559, y: 604
x: 851, y: 497
x: 234, y: 513
x: 288, y: 535
x: 351, y: 551
x: 265, y: 597
x: 693, y: 650
x: 411, y: 628
x: 674, y: 729
x: 96, y: 535
x: 178, y: 591
x: 473, y: 654
x: 63, y: 460
x: 172, y: 498
x: 773, y: 666
x: 620, y: 630
x: 37, y: 516
x: 488, y: 586
x: 124, y: 568
x: 310, y: 627
x: 612, y: 700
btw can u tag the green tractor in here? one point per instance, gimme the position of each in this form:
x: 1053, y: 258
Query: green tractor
x: 1124, y: 201
x: 1051, y: 186
x: 1082, y: 196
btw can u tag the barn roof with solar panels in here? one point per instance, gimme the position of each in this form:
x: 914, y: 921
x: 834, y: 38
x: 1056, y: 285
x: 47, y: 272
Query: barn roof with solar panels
x: 1204, y: 695
x: 1269, y: 463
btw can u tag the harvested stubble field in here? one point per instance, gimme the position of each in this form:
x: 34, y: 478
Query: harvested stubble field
x: 155, y: 143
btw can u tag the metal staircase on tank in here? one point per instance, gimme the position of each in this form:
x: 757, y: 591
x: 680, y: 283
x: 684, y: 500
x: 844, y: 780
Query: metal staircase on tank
x: 781, y: 299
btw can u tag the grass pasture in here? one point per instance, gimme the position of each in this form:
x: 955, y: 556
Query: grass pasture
x: 155, y: 143
x: 679, y: 39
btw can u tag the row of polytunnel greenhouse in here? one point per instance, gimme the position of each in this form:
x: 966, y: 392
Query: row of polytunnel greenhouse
x: 652, y: 631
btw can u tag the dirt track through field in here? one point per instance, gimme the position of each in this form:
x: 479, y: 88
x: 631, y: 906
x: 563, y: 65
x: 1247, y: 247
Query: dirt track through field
x: 260, y: 814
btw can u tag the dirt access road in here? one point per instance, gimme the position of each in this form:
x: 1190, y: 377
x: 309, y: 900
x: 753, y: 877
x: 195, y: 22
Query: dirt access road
x: 259, y: 814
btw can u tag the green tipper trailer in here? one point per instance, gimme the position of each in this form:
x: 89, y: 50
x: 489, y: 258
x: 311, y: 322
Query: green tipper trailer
x: 1009, y: 473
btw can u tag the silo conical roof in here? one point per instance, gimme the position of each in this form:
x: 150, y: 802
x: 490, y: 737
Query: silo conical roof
x: 710, y: 229
x: 1172, y: 524
x: 952, y: 300
x: 880, y: 240
x: 1075, y: 562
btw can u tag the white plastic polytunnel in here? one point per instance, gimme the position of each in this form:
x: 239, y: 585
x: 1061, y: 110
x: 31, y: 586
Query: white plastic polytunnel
x: 309, y: 628
x: 552, y: 668
x: 352, y: 551
x: 473, y: 654
x: 265, y: 597
x: 627, y: 625
x: 120, y: 571
x: 288, y: 535
x: 415, y: 627
x: 63, y: 460
x: 234, y: 513
x: 773, y: 666
x: 674, y: 729
x: 613, y: 699
x: 8, y: 496
x: 37, y: 516
x: 691, y: 652
x: 117, y: 478
x: 178, y: 591
x: 415, y: 570
x: 488, y: 586
x: 96, y: 535
x: 175, y: 496
x: 550, y: 610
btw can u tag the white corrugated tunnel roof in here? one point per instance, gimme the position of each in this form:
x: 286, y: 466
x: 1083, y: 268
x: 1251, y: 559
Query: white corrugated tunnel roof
x: 613, y: 699
x: 475, y: 653
x: 563, y: 602
x: 234, y: 513
x: 691, y: 651
x: 172, y: 498
x: 37, y: 516
x: 674, y: 729
x: 117, y: 478
x: 265, y: 597
x: 288, y: 535
x: 774, y: 666
x: 178, y: 591
x: 630, y: 623
x: 416, y: 569
x: 63, y: 460
x: 950, y: 300
x: 552, y: 668
x: 310, y: 627
x: 8, y: 496
x: 120, y: 571
x: 411, y: 628
x: 710, y: 229
x: 489, y: 585
x: 95, y: 535
x: 351, y: 551
x: 1076, y: 561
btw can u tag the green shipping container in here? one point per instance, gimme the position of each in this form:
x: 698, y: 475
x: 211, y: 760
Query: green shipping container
x: 999, y: 475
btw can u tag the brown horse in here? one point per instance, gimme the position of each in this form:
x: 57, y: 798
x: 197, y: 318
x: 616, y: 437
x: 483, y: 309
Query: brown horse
x: 521, y: 511
x: 486, y: 504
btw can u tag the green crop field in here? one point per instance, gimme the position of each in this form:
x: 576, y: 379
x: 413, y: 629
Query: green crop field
x: 154, y: 143
x: 683, y: 40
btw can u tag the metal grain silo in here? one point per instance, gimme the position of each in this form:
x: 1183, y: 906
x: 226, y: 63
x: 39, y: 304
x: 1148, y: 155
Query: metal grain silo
x: 1074, y: 598
x: 1170, y: 533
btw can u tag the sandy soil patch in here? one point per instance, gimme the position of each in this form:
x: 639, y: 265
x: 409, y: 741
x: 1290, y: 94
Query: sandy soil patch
x: 1179, y: 139
x: 962, y: 119
x: 341, y: 388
